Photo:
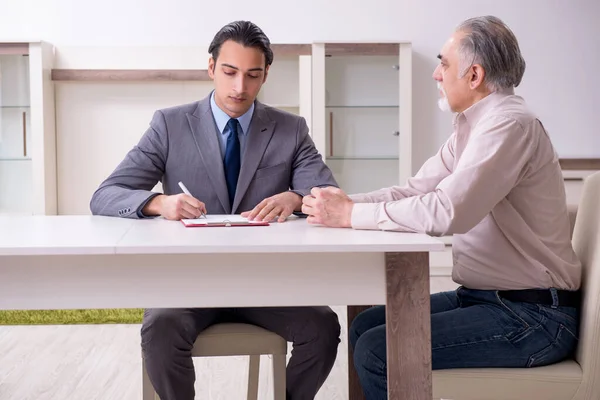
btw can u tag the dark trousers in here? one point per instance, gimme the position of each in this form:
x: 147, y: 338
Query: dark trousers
x: 168, y: 336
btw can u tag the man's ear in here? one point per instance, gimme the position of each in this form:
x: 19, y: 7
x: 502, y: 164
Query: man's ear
x: 211, y: 68
x: 477, y: 76
x: 266, y: 73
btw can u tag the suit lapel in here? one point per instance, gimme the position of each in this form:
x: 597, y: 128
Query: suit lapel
x: 205, y: 132
x: 259, y: 135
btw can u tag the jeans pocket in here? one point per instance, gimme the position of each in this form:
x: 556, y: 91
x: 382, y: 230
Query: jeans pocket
x: 512, y: 313
x: 559, y: 349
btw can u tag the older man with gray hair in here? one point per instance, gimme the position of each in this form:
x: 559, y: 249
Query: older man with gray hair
x: 497, y: 186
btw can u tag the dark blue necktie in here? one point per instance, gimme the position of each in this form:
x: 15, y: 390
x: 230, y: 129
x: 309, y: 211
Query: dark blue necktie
x: 232, y: 162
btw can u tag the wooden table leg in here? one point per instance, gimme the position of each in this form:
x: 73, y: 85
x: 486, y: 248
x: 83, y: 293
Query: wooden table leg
x: 354, y: 390
x: 408, y: 326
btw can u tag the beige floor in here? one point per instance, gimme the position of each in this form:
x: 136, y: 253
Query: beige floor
x: 103, y: 363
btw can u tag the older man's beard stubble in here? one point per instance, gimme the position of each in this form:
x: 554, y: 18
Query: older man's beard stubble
x: 443, y: 101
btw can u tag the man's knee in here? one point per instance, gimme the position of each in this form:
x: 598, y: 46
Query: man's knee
x: 332, y: 325
x: 162, y: 328
x: 326, y: 329
x: 369, y: 351
x: 360, y: 354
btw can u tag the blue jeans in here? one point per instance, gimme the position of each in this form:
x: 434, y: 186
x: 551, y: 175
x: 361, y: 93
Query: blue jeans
x: 470, y: 329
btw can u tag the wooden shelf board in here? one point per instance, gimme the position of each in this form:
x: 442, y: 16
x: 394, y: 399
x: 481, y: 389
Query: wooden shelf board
x: 130, y: 75
x: 14, y: 48
x: 291, y: 49
x: 362, y: 49
x: 276, y: 105
x: 580, y: 163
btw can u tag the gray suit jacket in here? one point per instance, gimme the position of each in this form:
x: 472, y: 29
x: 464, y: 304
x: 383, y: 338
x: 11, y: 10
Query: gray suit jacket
x: 181, y: 144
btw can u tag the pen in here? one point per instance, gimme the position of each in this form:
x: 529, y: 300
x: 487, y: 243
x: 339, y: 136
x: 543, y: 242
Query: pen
x: 186, y: 191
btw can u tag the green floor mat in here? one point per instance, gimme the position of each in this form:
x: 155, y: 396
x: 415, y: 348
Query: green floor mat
x: 71, y: 317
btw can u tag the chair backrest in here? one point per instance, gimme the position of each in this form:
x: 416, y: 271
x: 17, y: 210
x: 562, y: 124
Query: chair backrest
x: 586, y: 242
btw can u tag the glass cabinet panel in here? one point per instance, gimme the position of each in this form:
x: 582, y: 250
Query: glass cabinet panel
x: 15, y: 135
x: 362, y: 116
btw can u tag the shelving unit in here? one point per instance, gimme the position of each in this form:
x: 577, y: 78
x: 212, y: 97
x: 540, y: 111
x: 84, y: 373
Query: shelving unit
x: 362, y: 112
x: 27, y: 150
x: 15, y: 134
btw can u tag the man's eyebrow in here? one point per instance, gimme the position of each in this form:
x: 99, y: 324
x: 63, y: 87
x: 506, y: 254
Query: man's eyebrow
x: 236, y: 68
x: 441, y: 57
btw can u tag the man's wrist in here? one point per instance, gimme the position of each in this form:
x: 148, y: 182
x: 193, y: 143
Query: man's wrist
x: 154, y: 206
x: 297, y: 200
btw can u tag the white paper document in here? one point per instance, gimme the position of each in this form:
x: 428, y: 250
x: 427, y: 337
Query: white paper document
x: 222, y: 220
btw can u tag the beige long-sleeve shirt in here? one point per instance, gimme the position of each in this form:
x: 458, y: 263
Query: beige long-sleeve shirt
x: 497, y: 186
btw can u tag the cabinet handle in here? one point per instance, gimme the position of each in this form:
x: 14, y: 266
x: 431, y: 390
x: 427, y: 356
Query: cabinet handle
x: 331, y: 134
x: 396, y: 133
x: 396, y: 67
x: 24, y: 134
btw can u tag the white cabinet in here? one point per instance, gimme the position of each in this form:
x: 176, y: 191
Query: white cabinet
x: 15, y: 122
x: 27, y: 137
x: 362, y: 110
x: 15, y: 133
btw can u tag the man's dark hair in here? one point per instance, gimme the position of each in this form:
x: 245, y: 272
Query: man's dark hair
x: 245, y: 33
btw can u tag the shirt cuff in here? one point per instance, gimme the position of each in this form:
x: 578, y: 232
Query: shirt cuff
x: 358, y: 198
x: 364, y: 215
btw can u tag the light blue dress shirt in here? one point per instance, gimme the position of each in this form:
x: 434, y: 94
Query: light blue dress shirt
x: 221, y: 119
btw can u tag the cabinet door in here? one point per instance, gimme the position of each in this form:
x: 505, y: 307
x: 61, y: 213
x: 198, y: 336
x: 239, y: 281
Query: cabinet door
x: 15, y: 134
x: 363, y: 115
x: 14, y: 106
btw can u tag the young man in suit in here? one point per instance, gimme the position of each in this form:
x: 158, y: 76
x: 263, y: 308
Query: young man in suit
x: 235, y: 155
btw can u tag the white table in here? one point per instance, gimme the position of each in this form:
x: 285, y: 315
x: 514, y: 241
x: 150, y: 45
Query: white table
x: 63, y: 262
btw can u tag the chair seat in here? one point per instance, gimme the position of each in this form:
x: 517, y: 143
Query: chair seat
x: 237, y: 339
x: 553, y: 382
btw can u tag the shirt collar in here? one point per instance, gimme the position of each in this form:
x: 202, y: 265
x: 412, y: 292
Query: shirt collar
x: 221, y: 118
x: 474, y: 113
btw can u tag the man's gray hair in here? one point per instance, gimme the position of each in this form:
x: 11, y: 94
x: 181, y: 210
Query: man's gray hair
x: 491, y: 44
